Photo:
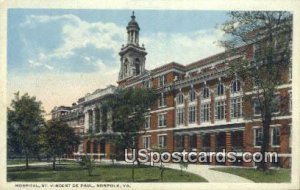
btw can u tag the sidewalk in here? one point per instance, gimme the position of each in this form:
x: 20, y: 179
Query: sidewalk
x: 211, y: 175
x: 205, y: 172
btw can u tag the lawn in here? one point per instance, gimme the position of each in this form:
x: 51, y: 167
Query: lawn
x: 101, y: 173
x: 271, y: 176
x: 19, y: 161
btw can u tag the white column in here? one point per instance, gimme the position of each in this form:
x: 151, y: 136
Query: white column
x: 94, y: 120
x: 86, y: 121
x: 100, y: 119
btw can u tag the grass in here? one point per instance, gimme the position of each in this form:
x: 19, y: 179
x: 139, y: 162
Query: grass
x: 101, y: 173
x: 19, y: 161
x: 271, y: 176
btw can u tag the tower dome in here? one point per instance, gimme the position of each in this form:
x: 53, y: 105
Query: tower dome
x: 132, y: 24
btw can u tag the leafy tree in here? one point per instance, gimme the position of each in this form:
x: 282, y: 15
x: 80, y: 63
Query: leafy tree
x: 59, y: 139
x: 24, y: 126
x: 88, y: 163
x: 270, y: 33
x: 129, y: 107
x: 182, y: 165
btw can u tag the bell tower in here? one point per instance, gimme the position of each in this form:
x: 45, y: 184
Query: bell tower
x: 133, y: 56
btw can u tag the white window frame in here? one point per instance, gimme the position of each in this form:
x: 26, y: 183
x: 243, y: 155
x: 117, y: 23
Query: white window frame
x: 161, y: 101
x: 147, y: 122
x: 218, y: 89
x: 179, y: 97
x: 205, y: 106
x: 272, y: 136
x: 234, y: 91
x: 255, y: 101
x: 219, y: 104
x: 146, y: 141
x: 232, y: 107
x: 192, y: 95
x: 164, y: 137
x: 179, y: 116
x: 194, y: 110
x: 204, y: 92
x: 254, y: 136
x: 164, y: 120
x: 162, y: 80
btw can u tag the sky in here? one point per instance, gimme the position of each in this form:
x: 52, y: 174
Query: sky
x: 61, y: 55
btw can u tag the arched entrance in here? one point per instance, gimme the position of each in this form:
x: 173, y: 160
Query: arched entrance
x: 95, y: 149
x: 102, y: 148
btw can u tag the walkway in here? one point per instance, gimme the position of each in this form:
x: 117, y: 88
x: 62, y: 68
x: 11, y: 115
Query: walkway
x: 205, y: 172
x: 211, y: 175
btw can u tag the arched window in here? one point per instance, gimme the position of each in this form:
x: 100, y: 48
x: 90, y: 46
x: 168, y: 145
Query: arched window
x: 179, y: 98
x: 205, y: 92
x: 220, y: 89
x: 236, y: 86
x: 137, y: 66
x: 125, y: 65
x: 192, y: 95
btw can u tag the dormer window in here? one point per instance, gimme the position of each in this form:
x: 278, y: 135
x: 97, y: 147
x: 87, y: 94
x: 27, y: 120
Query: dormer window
x: 220, y: 89
x: 179, y: 98
x: 205, y: 93
x: 236, y: 86
x: 162, y: 80
x: 192, y: 95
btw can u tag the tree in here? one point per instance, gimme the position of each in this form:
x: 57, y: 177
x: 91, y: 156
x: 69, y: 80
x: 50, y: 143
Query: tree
x: 160, y: 150
x: 24, y: 123
x: 270, y: 33
x: 59, y: 139
x: 129, y: 107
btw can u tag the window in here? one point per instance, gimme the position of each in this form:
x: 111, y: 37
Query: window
x: 206, y: 142
x: 193, y: 141
x: 236, y: 86
x: 220, y: 89
x: 276, y: 104
x: 162, y: 80
x: 205, y: 112
x: 192, y: 95
x: 147, y: 84
x: 275, y: 136
x: 220, y: 110
x: 161, y: 100
x: 192, y: 114
x: 179, y: 116
x: 205, y: 93
x: 147, y: 122
x: 256, y: 107
x: 162, y: 141
x: 179, y: 98
x: 146, y: 142
x: 236, y: 107
x: 258, y: 135
x: 179, y: 142
x: 162, y: 120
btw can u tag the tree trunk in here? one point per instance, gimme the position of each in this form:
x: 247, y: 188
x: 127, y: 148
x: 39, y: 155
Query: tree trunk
x: 26, y: 165
x: 53, y: 166
x: 265, y: 143
x: 132, y: 171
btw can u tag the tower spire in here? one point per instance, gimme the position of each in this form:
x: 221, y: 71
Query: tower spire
x: 132, y: 55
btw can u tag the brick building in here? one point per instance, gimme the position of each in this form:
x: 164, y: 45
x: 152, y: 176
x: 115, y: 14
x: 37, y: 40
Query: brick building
x: 200, y: 108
